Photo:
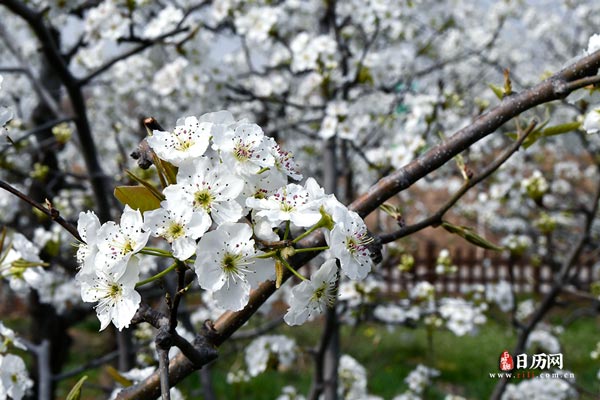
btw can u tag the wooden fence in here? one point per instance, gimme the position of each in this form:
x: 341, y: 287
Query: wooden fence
x: 490, y: 268
x: 474, y: 268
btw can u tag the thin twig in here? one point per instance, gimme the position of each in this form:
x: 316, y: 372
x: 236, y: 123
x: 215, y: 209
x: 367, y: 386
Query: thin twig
x: 52, y: 212
x: 90, y: 365
x: 38, y: 87
x: 146, y: 44
x: 436, y: 218
x: 39, y: 128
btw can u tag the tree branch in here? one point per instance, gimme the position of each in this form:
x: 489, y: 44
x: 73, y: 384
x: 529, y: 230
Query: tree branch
x: 138, y: 49
x: 51, y: 212
x: 436, y: 218
x: 39, y: 89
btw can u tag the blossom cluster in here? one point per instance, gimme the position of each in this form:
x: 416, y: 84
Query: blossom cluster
x: 552, y: 388
x: 14, y: 379
x: 228, y: 199
x: 264, y: 349
x: 22, y: 267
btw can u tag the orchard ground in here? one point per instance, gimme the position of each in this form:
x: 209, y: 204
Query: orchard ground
x: 387, y: 354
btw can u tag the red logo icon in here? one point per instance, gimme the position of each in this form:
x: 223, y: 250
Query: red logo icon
x: 506, y: 362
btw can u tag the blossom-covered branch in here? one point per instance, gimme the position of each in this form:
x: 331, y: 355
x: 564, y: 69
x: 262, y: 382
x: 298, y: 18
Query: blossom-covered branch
x: 553, y: 88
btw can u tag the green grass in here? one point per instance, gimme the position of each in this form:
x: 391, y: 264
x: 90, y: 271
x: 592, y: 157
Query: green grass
x: 388, y: 356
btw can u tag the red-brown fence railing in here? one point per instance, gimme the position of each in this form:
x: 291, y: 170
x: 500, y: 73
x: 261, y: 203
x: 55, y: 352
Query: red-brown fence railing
x: 473, y: 267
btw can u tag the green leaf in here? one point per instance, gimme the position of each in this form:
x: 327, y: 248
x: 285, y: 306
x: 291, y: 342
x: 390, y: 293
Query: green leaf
x: 390, y: 210
x: 170, y: 171
x: 498, y: 91
x: 75, y: 393
x: 550, y: 131
x: 512, y: 135
x: 116, y: 375
x: 155, y: 192
x: 470, y: 236
x: 137, y: 197
x: 365, y: 76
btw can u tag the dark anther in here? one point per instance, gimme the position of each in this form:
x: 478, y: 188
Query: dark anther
x: 375, y: 247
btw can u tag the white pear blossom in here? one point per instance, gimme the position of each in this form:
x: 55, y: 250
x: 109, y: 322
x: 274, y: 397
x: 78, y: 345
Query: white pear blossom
x: 105, y: 21
x: 237, y: 376
x: 261, y: 186
x: 312, y: 297
x: 552, y: 388
x: 352, y: 379
x: 536, y: 185
x: 262, y: 349
x: 209, y: 188
x: 284, y: 161
x: 423, y: 291
x: 501, y: 294
x: 525, y: 309
x: 168, y: 78
x: 88, y: 226
x: 391, y: 313
x: 166, y: 20
x: 227, y: 264
x: 289, y: 203
x: 116, y: 295
x: 461, y: 316
x: 186, y: 141
x: 8, y: 337
x: 335, y: 111
x: 290, y: 393
x: 20, y: 263
x: 256, y: 23
x: 591, y: 123
x: 179, y: 224
x: 117, y: 243
x: 245, y: 150
x: 593, y: 43
x: 309, y: 51
x: 544, y: 340
x: 349, y: 242
x: 419, y: 378
x: 14, y: 379
x: 6, y: 113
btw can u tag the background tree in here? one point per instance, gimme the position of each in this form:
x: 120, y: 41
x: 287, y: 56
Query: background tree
x: 366, y: 96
